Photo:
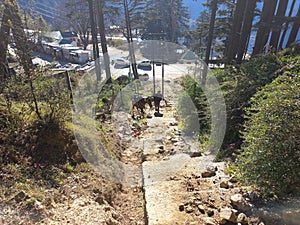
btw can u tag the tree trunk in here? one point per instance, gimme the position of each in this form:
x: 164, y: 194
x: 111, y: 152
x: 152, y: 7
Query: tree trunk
x: 214, y: 9
x: 235, y: 33
x: 278, y: 24
x: 4, y: 39
x: 263, y: 32
x: 246, y: 30
x: 94, y: 40
x: 103, y: 41
x: 286, y: 25
x: 22, y: 44
x: 130, y: 40
x: 295, y: 29
x: 23, y: 48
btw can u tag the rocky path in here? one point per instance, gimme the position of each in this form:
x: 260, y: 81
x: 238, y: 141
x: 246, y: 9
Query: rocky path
x: 177, y: 189
x: 167, y: 163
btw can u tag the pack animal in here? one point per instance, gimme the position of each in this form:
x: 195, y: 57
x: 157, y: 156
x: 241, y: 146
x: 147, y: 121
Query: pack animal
x: 139, y: 106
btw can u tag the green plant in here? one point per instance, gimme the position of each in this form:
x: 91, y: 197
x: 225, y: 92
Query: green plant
x: 193, y: 106
x: 270, y: 153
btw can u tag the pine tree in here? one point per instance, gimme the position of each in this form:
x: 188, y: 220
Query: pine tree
x: 169, y: 17
x: 264, y: 26
x: 295, y: 29
x: 280, y: 14
x: 246, y: 30
x: 235, y: 33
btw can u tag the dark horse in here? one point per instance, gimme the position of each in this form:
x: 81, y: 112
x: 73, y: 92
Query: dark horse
x: 139, y: 106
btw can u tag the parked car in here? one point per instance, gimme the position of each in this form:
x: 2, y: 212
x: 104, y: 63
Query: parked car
x: 144, y: 76
x: 144, y: 65
x: 120, y: 63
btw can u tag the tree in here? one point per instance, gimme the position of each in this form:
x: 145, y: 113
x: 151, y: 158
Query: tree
x: 279, y: 19
x: 100, y: 16
x: 295, y: 29
x: 286, y: 25
x: 94, y: 39
x: 214, y: 9
x: 4, y: 40
x: 169, y: 17
x: 246, y: 30
x: 264, y: 26
x: 14, y: 22
x: 235, y: 33
x: 130, y: 40
x: 221, y: 31
x: 78, y: 18
x: 200, y: 34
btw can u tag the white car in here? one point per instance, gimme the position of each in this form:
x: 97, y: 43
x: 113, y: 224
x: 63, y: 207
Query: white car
x: 120, y: 63
x: 145, y: 65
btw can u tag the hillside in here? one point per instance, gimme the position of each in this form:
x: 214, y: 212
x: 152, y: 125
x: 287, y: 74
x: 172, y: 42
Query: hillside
x: 50, y: 10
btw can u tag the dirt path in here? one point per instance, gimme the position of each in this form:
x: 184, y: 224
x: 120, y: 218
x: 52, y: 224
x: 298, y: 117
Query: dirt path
x: 166, y: 167
x: 177, y: 188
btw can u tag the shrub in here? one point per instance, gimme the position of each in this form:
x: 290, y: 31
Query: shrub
x: 34, y: 114
x: 239, y: 85
x: 193, y: 98
x: 270, y: 157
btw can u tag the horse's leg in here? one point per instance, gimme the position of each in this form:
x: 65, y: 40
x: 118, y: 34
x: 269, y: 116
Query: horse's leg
x: 132, y: 112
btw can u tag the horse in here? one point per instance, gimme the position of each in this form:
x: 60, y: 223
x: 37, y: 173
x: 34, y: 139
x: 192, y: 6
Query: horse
x: 139, y: 105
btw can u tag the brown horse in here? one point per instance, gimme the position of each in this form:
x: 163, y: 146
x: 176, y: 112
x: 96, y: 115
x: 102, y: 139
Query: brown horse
x: 139, y: 106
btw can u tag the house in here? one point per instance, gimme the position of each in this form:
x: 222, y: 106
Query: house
x: 61, y: 38
x: 79, y: 56
x: 70, y: 37
x: 52, y: 36
x: 67, y: 49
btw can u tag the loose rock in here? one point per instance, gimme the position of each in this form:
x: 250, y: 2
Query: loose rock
x: 208, y: 173
x: 228, y: 214
x: 224, y: 184
x: 209, y: 221
x: 239, y: 202
x: 242, y: 219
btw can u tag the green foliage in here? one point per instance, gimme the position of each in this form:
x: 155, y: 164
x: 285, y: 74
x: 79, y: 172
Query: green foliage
x: 271, y: 155
x: 193, y: 98
x: 160, y: 16
x: 239, y: 85
x: 35, y: 111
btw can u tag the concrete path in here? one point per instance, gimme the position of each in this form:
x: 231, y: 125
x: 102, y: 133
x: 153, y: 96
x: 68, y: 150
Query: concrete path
x: 164, y: 157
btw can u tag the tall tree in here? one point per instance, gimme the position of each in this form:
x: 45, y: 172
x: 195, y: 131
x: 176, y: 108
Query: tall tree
x: 246, y: 30
x: 14, y: 22
x: 169, y: 17
x: 4, y: 40
x: 79, y: 20
x: 286, y: 25
x: 130, y: 40
x: 94, y: 39
x: 200, y: 34
x: 279, y: 19
x: 100, y: 16
x: 222, y: 21
x: 295, y: 29
x: 214, y: 9
x: 264, y: 26
x: 234, y: 37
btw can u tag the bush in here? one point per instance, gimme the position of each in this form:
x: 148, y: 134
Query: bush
x: 270, y: 155
x: 193, y: 98
x: 239, y: 85
x: 34, y: 114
